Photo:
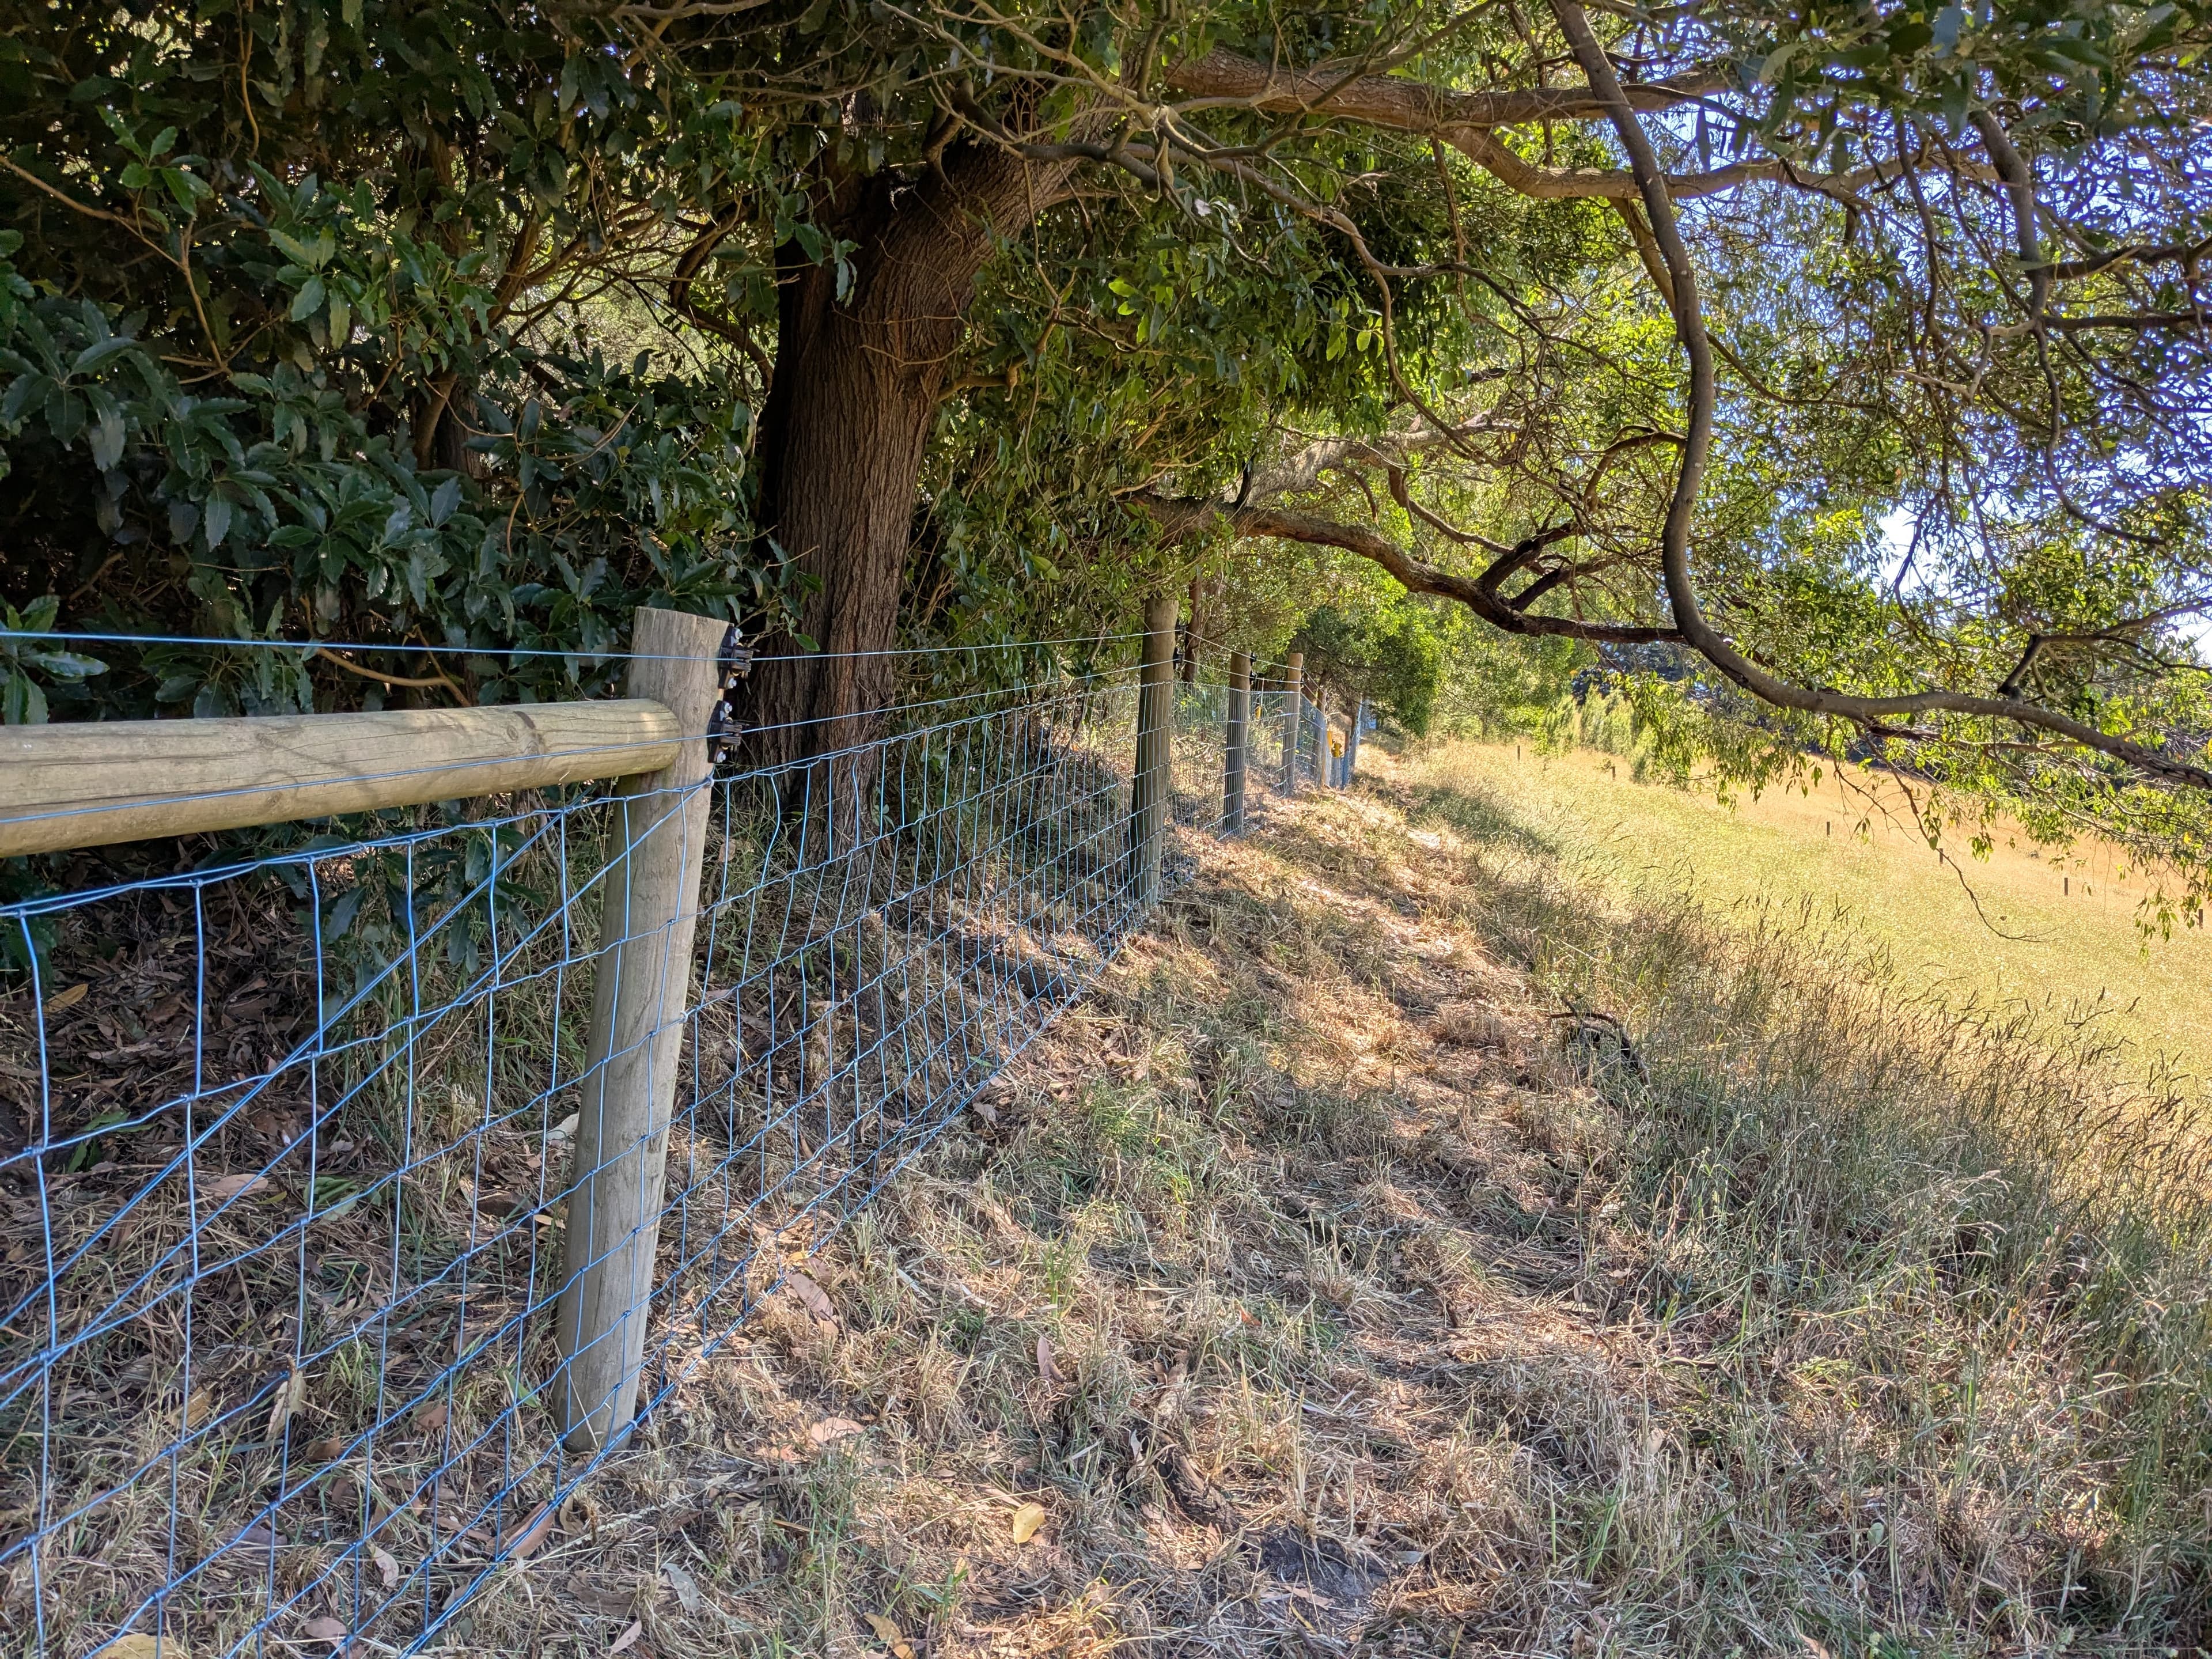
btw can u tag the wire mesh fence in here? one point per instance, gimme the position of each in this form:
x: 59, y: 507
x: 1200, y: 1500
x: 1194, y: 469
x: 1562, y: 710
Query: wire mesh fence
x: 289, y: 1148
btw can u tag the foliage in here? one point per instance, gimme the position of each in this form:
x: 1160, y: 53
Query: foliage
x: 447, y: 327
x: 30, y: 665
x: 283, y: 355
x: 1391, y: 655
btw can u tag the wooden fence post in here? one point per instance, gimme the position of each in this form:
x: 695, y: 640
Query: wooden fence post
x: 1238, y: 738
x: 640, y: 994
x: 1351, y: 740
x: 1190, y: 632
x: 1148, y: 813
x: 1294, y: 720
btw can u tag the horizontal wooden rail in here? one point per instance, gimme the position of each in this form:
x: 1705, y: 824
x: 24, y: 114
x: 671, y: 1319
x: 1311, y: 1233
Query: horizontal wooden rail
x: 95, y: 784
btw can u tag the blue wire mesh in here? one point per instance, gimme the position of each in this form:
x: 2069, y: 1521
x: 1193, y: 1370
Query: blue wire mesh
x: 286, y: 1147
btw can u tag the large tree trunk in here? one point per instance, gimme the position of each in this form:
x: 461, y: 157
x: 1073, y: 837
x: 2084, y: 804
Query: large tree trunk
x: 850, y: 411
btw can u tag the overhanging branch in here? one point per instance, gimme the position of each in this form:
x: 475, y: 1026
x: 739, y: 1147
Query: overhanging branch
x: 1223, y: 76
x: 1465, y: 120
x: 1675, y: 539
x: 1181, y: 515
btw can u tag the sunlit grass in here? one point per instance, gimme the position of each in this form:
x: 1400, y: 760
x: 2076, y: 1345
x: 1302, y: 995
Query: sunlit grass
x: 2055, y: 931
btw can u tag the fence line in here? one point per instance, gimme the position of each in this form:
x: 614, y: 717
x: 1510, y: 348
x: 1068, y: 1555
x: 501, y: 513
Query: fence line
x: 217, y: 641
x: 289, y: 1160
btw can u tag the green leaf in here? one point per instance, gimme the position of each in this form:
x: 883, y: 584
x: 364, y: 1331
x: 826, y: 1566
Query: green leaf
x: 338, y: 918
x: 99, y: 351
x: 22, y: 702
x: 65, y: 664
x: 308, y: 300
x: 26, y: 393
x: 64, y: 415
x: 299, y: 252
x: 107, y: 429
x: 444, y: 500
x: 185, y: 188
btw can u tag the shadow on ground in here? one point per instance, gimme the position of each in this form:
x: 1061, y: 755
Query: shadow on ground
x: 1335, y: 1280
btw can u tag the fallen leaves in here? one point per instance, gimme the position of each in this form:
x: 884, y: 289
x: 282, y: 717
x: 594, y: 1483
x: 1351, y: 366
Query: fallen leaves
x: 614, y: 1601
x: 812, y: 1298
x: 685, y: 1586
x: 535, y: 1531
x: 138, y: 1645
x: 69, y: 999
x: 1027, y: 1519
x: 223, y: 1188
x: 1048, y: 1373
x: 627, y: 1640
x: 387, y: 1567
x: 890, y: 1635
x: 579, y: 1514
x: 523, y: 1540
x: 330, y: 1630
x: 291, y: 1395
x: 831, y: 1430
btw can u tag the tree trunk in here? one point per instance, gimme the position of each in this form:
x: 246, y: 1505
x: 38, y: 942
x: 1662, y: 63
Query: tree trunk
x: 847, y: 418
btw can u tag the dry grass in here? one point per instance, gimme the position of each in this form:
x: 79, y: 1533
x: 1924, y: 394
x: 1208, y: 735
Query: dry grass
x: 1326, y: 1294
x: 2052, y: 929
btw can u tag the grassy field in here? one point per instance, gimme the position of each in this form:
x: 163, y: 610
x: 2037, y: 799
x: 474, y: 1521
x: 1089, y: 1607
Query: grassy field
x: 1421, y: 1246
x: 2048, y: 931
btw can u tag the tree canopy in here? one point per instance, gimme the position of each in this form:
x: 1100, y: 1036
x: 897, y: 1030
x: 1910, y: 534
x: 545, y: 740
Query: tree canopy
x: 1832, y: 378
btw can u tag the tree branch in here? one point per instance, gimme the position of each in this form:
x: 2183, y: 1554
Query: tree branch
x: 1463, y: 120
x: 2020, y: 188
x: 1223, y: 76
x: 1181, y: 515
x: 686, y: 273
x: 1674, y: 541
x: 2182, y: 253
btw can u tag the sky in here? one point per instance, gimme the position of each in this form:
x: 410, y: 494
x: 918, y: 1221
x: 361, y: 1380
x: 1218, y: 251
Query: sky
x: 1897, y: 541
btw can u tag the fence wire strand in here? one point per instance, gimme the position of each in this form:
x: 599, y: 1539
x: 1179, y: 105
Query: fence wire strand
x: 287, y: 1146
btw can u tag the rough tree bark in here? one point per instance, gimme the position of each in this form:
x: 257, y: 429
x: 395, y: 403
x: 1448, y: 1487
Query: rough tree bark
x: 857, y: 387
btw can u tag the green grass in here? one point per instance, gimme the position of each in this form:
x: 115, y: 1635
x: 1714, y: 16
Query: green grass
x: 2054, y: 932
